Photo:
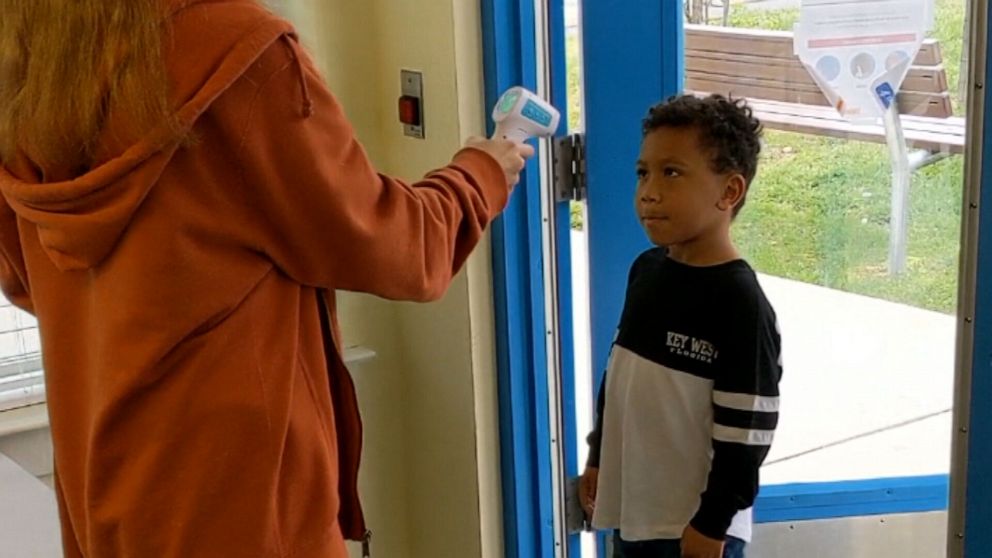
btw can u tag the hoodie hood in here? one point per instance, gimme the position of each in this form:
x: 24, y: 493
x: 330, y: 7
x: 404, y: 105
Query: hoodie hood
x: 80, y: 221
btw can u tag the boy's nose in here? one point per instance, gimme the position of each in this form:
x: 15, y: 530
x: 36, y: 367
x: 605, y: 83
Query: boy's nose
x: 649, y: 191
x: 649, y: 196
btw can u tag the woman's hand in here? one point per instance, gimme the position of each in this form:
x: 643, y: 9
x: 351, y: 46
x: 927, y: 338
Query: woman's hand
x: 510, y: 155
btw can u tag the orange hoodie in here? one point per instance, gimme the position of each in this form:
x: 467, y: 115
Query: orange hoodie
x: 199, y: 405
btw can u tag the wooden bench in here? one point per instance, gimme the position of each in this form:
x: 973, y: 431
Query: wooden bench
x: 761, y: 66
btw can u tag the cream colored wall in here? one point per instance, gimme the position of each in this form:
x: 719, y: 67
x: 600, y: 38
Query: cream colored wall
x: 430, y: 478
x: 340, y: 35
x: 452, y: 389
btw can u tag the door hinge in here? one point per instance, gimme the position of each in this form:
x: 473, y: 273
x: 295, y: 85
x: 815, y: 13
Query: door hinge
x: 570, y: 168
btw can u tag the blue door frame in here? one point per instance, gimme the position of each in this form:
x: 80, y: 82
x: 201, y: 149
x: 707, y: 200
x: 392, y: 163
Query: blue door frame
x: 510, y: 55
x: 623, y: 47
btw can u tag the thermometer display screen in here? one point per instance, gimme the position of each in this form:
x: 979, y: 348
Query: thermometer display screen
x: 534, y: 112
x: 509, y: 101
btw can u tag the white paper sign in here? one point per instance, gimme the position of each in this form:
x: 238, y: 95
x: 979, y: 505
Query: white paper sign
x: 859, y: 51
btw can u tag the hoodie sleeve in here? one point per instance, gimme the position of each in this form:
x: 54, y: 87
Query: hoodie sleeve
x: 13, y: 272
x: 328, y: 219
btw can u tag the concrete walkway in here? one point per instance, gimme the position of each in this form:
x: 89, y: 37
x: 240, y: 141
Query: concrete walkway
x: 868, y: 386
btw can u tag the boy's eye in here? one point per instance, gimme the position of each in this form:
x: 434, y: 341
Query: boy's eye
x: 641, y: 173
x: 671, y: 172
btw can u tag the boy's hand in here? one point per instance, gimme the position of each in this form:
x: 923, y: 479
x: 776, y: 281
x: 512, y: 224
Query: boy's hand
x: 587, y: 490
x: 697, y: 545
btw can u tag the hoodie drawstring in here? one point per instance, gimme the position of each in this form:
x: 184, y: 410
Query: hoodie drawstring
x: 294, y: 48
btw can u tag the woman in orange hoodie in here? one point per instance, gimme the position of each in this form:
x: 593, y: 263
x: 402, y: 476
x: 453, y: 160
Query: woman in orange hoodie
x: 179, y: 203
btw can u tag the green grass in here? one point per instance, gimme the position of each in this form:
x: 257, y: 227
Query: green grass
x: 573, y: 82
x: 777, y: 20
x: 949, y: 30
x: 819, y: 209
x: 819, y: 212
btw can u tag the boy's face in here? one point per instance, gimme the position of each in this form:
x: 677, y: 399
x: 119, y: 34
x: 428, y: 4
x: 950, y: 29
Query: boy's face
x: 679, y: 197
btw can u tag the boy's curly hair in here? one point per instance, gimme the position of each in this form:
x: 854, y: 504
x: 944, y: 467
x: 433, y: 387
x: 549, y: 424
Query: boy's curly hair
x: 726, y: 126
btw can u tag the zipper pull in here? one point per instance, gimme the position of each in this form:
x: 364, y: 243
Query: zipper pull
x: 367, y: 545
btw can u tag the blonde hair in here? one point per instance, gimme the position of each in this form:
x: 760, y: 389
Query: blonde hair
x: 66, y: 65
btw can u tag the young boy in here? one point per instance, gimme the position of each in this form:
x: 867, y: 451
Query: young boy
x: 689, y: 403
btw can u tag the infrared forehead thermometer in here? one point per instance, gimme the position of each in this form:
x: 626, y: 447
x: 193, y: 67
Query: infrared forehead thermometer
x: 520, y: 115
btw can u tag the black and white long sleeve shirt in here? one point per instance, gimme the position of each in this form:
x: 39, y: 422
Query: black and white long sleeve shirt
x: 689, y: 403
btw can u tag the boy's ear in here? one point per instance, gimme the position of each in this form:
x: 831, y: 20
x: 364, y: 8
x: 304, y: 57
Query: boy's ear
x: 733, y: 192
